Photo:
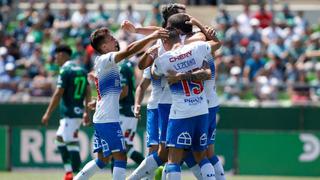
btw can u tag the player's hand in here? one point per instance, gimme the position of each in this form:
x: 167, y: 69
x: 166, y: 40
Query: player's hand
x: 91, y: 76
x: 86, y: 120
x: 211, y: 32
x: 172, y: 77
x: 160, y: 34
x: 128, y: 27
x: 192, y: 21
x: 153, y: 51
x: 45, y: 119
x: 92, y: 104
x: 136, y: 111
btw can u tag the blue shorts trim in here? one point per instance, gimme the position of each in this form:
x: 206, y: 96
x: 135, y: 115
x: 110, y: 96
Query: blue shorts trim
x: 212, y: 124
x: 152, y: 127
x: 164, y: 111
x: 108, y: 138
x: 188, y: 133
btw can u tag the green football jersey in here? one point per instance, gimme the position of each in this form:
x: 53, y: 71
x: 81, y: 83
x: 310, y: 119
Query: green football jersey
x: 73, y: 79
x: 127, y: 79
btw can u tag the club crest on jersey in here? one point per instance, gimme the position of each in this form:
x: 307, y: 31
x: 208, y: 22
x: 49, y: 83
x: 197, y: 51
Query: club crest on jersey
x: 181, y: 56
x: 184, y: 139
x: 203, y: 139
x: 105, y: 146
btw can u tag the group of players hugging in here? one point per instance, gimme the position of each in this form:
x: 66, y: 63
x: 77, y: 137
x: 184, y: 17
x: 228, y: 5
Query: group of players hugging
x: 178, y: 62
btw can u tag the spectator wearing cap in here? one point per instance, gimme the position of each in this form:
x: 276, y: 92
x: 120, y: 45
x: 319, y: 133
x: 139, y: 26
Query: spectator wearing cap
x: 255, y: 35
x: 234, y: 87
x: 5, y: 58
x: 28, y: 46
x: 9, y: 82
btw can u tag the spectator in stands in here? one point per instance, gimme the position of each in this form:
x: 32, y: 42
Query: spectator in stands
x: 131, y: 15
x: 8, y: 82
x: 285, y: 15
x: 101, y: 17
x: 46, y: 17
x: 315, y: 84
x: 79, y: 19
x: 234, y: 35
x: 264, y: 17
x: 301, y: 22
x: 253, y: 66
x: 153, y: 18
x: 271, y: 33
x: 21, y: 31
x: 278, y: 49
x: 255, y: 35
x: 28, y: 46
x: 234, y: 87
x: 224, y: 17
x: 62, y: 23
x: 244, y: 20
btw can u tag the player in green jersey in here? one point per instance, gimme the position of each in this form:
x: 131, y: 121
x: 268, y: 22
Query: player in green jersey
x: 128, y: 121
x: 73, y: 93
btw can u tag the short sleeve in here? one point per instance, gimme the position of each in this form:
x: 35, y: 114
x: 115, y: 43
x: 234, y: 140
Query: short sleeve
x: 107, y: 59
x: 157, y: 67
x: 147, y: 73
x: 203, y: 48
x: 62, y: 79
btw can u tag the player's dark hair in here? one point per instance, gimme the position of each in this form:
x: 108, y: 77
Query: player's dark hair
x: 98, y: 37
x: 179, y: 20
x: 63, y: 48
x: 170, y: 9
x: 173, y: 35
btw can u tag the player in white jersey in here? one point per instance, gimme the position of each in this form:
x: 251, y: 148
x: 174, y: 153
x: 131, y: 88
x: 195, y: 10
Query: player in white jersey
x: 108, y: 137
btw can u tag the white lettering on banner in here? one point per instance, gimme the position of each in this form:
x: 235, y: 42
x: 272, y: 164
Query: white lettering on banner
x: 52, y: 155
x: 31, y: 141
x: 311, y: 147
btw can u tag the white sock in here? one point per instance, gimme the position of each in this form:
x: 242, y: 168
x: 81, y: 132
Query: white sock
x: 173, y: 172
x: 174, y: 176
x: 218, y: 168
x: 164, y: 173
x: 196, y: 171
x: 119, y: 173
x: 87, y: 171
x: 207, y: 170
x: 147, y: 166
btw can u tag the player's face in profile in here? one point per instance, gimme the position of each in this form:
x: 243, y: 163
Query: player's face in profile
x: 58, y: 58
x: 112, y: 43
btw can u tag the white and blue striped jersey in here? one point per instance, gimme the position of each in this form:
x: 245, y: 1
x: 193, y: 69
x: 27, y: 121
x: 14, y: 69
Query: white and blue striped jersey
x: 210, y: 85
x: 156, y: 89
x: 188, y: 97
x: 107, y: 80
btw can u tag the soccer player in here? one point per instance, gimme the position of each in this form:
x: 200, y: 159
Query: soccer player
x: 128, y: 121
x: 72, y: 90
x: 108, y: 140
x: 188, y: 124
x: 152, y: 111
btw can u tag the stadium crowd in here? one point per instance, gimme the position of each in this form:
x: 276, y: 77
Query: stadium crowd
x: 265, y: 55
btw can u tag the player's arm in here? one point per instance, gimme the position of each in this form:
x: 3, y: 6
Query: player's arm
x: 148, y: 57
x: 87, y: 100
x: 140, y: 44
x: 140, y: 90
x: 130, y: 28
x: 201, y: 74
x: 209, y: 33
x: 52, y: 105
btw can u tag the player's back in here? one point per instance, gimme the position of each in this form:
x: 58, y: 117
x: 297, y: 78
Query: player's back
x: 188, y: 98
x: 210, y: 85
x: 73, y: 79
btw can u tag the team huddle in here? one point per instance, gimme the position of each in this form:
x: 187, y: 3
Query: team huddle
x: 181, y: 111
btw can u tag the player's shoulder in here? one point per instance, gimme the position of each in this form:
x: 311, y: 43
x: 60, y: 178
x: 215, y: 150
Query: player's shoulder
x: 108, y: 57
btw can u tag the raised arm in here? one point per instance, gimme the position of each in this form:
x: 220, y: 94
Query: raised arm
x: 148, y: 57
x: 140, y: 44
x: 130, y: 28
